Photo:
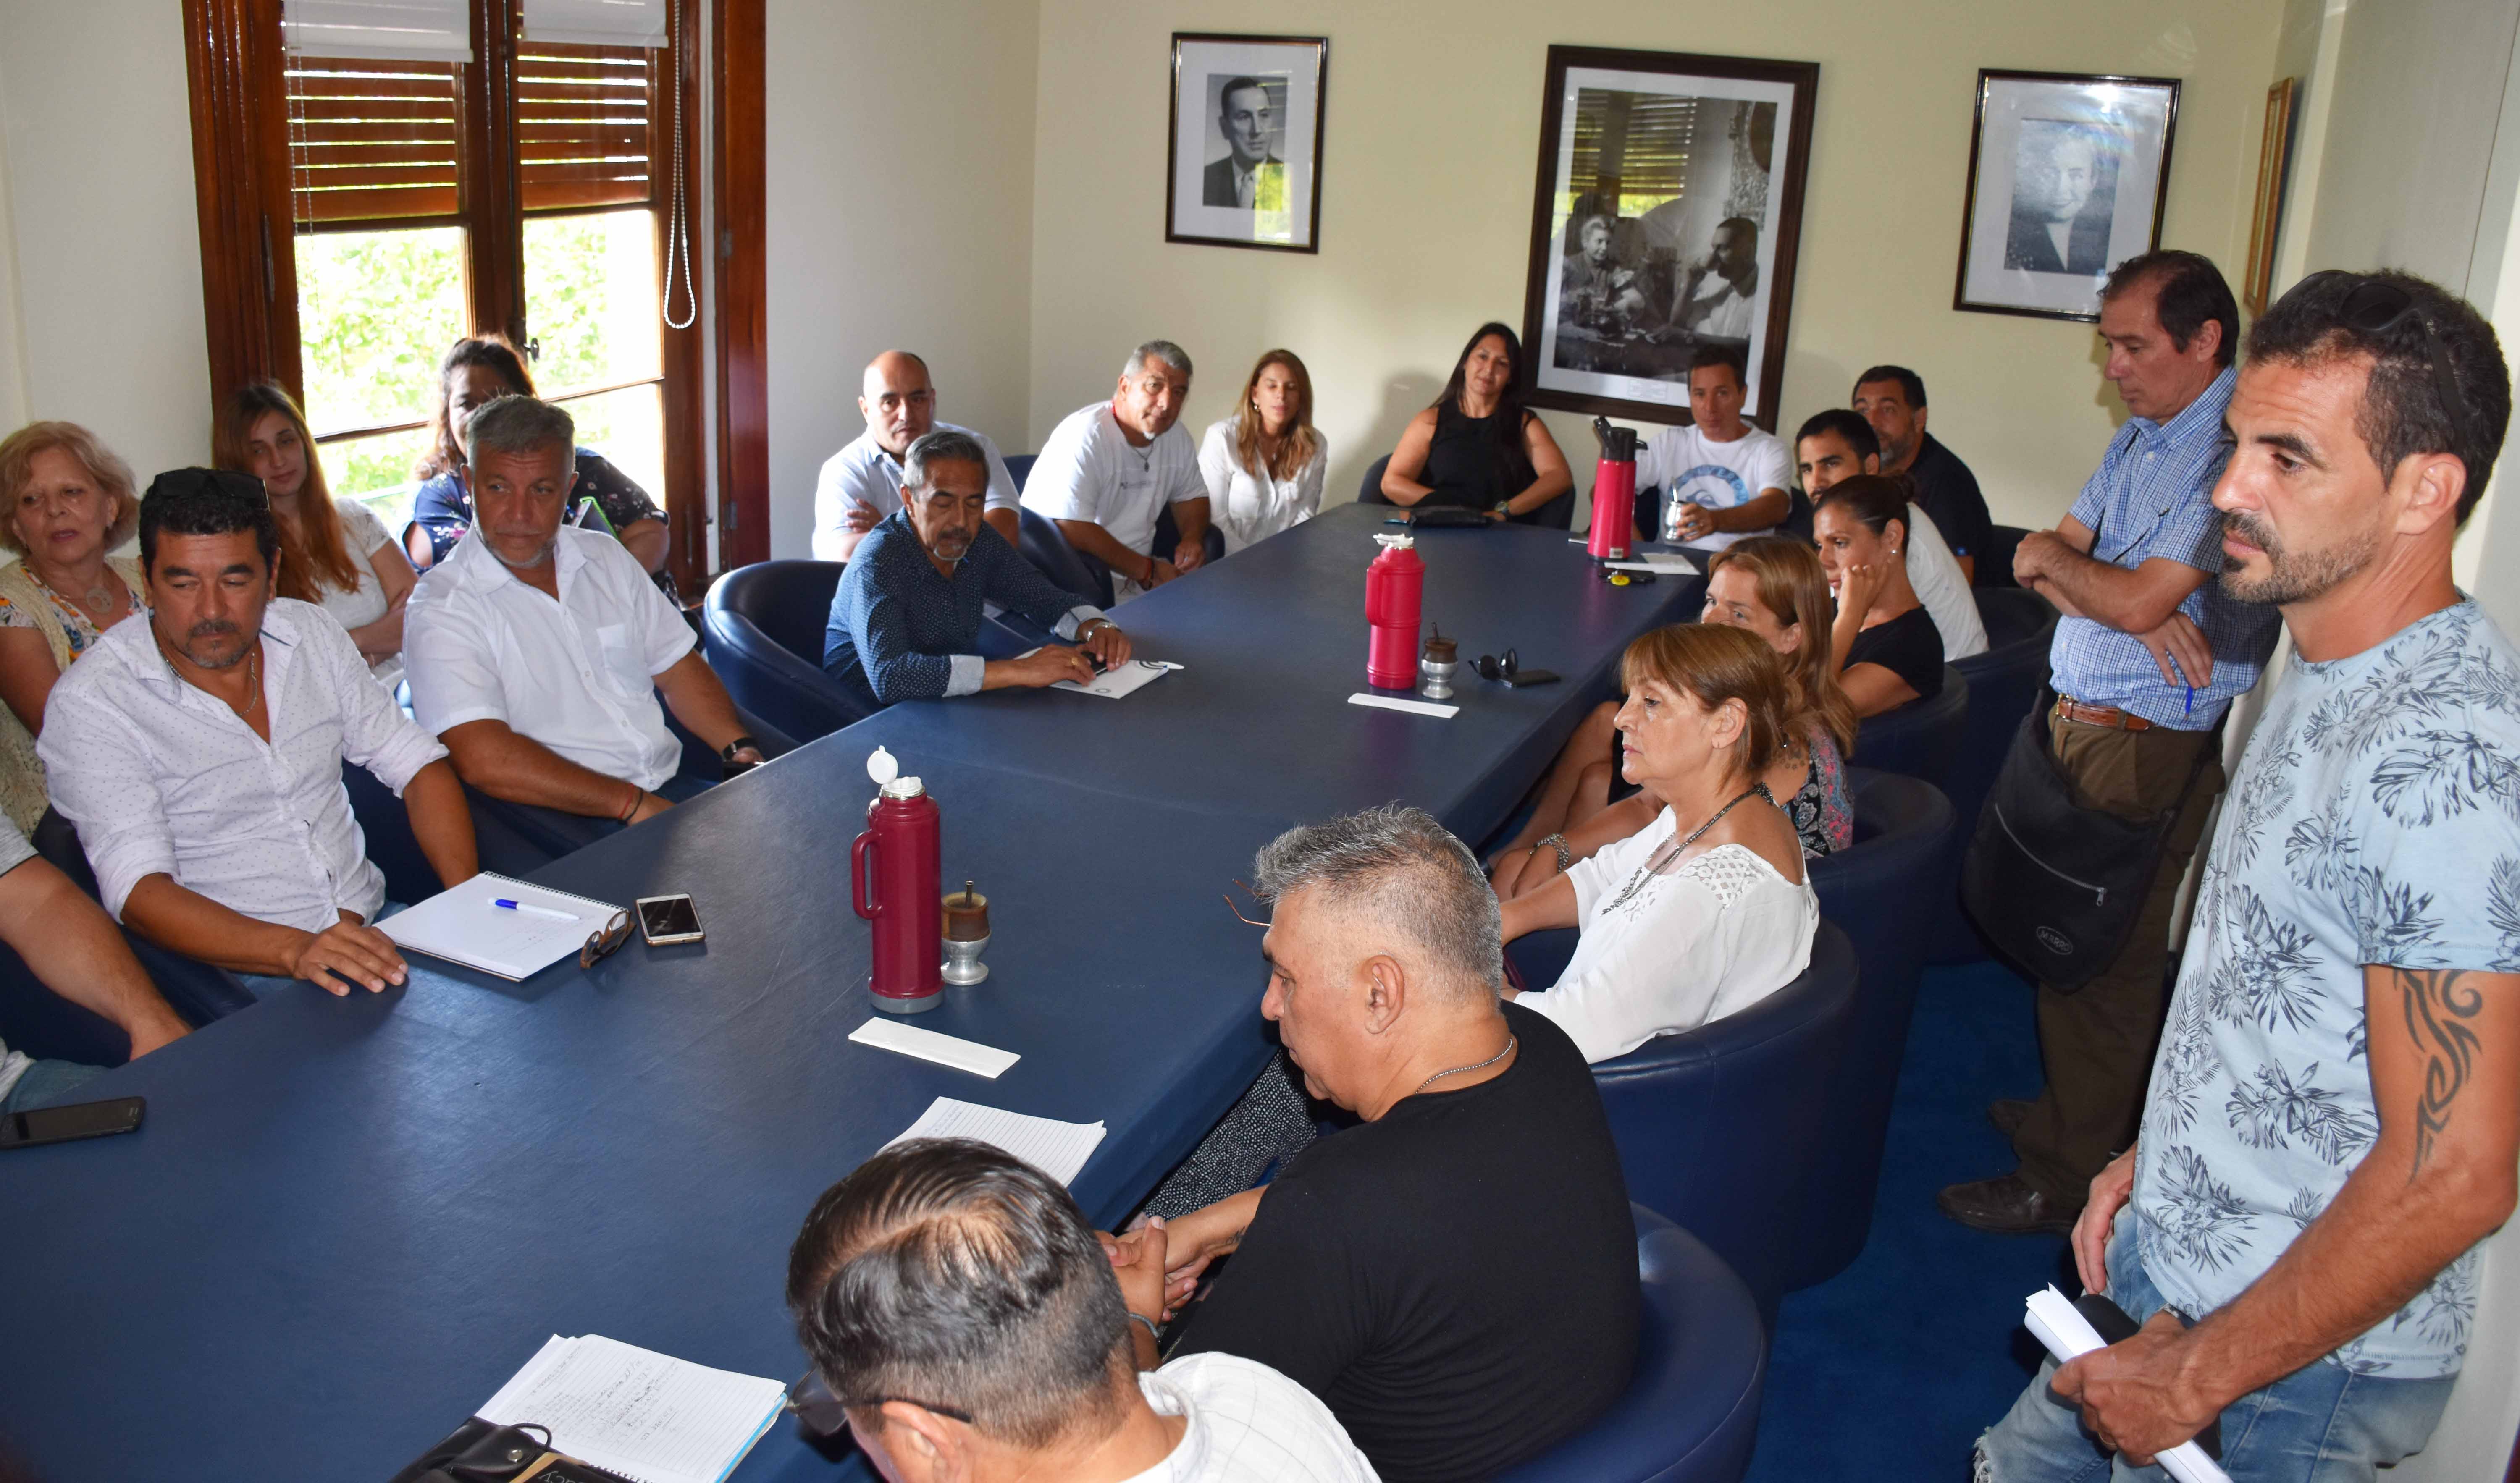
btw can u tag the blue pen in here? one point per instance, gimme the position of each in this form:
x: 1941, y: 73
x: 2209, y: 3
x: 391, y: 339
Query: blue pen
x: 533, y: 911
x: 2191, y: 707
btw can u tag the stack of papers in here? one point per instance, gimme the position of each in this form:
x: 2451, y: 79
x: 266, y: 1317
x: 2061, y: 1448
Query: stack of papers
x: 465, y: 926
x: 2056, y: 1323
x: 647, y: 1416
x: 1668, y: 565
x: 1122, y: 680
x: 1057, y: 1148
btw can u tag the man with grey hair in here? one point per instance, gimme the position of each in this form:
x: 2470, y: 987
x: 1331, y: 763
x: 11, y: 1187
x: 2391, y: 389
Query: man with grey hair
x: 1108, y: 471
x: 906, y: 617
x: 535, y: 649
x: 1457, y: 1276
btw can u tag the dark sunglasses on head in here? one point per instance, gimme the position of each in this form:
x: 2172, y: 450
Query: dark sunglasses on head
x: 2374, y: 306
x: 825, y: 1415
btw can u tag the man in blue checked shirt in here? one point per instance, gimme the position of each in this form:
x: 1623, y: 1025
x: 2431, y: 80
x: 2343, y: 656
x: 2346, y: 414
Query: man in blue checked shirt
x: 2148, y: 656
x: 906, y: 620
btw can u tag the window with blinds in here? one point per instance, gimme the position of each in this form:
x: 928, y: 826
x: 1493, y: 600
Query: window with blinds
x: 587, y: 124
x: 374, y: 141
x: 1633, y: 147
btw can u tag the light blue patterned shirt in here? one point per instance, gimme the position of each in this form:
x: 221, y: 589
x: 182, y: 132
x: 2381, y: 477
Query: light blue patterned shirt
x: 2153, y: 497
x: 2375, y: 820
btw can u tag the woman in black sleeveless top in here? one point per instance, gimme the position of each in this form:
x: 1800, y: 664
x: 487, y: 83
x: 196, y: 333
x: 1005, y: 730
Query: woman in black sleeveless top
x: 1479, y: 447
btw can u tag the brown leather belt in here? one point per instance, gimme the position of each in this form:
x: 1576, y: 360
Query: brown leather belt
x: 2070, y: 709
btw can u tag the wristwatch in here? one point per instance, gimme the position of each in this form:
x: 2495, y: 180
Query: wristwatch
x: 727, y: 753
x: 1502, y: 509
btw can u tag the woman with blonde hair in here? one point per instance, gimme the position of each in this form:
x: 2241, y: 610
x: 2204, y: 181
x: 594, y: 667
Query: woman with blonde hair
x: 1770, y: 587
x: 1264, y: 464
x: 1707, y: 910
x: 334, y: 553
x: 69, y: 501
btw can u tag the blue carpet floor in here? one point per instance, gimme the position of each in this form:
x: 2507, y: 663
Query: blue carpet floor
x: 1890, y: 1370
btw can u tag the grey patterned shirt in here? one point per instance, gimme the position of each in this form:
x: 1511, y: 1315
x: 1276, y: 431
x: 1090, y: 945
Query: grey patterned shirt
x: 2375, y: 820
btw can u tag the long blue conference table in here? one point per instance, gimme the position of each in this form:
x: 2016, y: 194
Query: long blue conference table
x: 347, y: 1222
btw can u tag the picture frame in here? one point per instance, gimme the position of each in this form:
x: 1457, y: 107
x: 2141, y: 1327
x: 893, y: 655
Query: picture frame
x: 2066, y: 178
x: 1667, y: 214
x: 1242, y: 161
x: 2266, y: 220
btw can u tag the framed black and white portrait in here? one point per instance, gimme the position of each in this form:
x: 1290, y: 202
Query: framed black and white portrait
x: 2068, y: 174
x: 1665, y: 218
x: 1244, y: 166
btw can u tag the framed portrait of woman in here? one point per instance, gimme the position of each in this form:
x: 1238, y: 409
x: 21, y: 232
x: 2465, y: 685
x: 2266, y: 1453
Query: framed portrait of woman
x: 2068, y: 174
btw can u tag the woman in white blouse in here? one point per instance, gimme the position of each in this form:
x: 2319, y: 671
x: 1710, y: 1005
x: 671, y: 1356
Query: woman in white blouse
x: 334, y: 553
x: 1706, y: 911
x: 1264, y: 464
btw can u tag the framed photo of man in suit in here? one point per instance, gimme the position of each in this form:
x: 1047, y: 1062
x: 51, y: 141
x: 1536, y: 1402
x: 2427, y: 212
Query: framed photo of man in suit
x: 1244, y: 166
x: 2068, y: 174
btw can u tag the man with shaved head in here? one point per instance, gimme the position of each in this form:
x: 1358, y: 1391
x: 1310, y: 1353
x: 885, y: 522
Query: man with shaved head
x: 860, y: 484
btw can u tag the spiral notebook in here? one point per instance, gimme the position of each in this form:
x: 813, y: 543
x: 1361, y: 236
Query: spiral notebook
x: 463, y: 926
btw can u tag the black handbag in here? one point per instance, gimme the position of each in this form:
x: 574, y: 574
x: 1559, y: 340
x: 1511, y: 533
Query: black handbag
x: 482, y: 1451
x: 2053, y: 884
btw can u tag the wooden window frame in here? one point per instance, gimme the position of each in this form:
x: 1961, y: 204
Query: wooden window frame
x: 236, y: 69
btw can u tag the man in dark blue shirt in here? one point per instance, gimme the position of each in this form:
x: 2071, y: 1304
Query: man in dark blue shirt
x: 906, y: 620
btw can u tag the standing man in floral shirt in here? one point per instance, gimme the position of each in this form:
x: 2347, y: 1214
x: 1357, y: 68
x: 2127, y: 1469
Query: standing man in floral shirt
x: 2333, y: 1122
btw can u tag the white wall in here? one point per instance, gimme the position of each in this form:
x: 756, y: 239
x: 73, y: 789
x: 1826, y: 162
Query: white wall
x: 1433, y: 112
x: 900, y: 216
x: 102, y: 245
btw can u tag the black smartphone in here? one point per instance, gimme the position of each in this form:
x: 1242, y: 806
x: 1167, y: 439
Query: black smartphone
x: 2115, y: 1325
x: 667, y: 919
x: 1522, y: 677
x: 67, y: 1124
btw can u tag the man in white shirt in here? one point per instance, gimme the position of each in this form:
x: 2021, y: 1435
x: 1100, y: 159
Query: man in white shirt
x: 1725, y: 479
x: 860, y: 484
x: 1718, y: 290
x: 535, y: 649
x: 1837, y: 443
x: 199, y: 754
x: 1109, y: 470
x: 965, y: 1324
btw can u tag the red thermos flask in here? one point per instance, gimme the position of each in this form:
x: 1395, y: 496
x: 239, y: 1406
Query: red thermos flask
x: 1395, y: 588
x: 1615, y: 493
x: 893, y: 878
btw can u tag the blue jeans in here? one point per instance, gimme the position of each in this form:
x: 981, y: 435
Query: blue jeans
x: 264, y: 985
x: 47, y: 1081
x: 2319, y: 1424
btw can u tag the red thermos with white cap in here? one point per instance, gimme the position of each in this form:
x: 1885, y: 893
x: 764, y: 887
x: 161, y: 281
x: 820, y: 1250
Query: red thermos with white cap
x: 893, y: 877
x: 1394, y: 592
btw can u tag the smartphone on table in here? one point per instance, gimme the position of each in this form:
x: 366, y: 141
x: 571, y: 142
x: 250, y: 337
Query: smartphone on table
x: 668, y: 919
x: 38, y: 1126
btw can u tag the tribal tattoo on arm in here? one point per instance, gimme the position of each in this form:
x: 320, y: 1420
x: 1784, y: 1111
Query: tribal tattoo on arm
x: 2441, y: 1010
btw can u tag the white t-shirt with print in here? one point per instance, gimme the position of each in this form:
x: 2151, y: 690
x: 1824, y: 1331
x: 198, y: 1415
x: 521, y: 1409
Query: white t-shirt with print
x: 1692, y: 468
x: 1247, y: 1424
x: 1088, y: 471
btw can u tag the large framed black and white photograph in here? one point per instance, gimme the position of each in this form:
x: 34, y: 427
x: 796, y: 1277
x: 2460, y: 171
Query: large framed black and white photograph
x: 2068, y: 174
x: 1244, y: 166
x: 1665, y: 217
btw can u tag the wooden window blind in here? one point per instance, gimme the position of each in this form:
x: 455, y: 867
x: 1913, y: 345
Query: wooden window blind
x: 588, y: 124
x: 374, y: 140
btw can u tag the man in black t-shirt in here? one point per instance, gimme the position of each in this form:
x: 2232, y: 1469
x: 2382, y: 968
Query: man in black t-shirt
x: 1891, y: 398
x: 1455, y: 1277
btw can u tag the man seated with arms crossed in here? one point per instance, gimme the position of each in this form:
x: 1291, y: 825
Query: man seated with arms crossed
x: 2333, y: 1120
x: 1108, y: 470
x: 74, y: 950
x: 1722, y: 479
x: 535, y: 649
x: 1891, y: 398
x: 906, y: 620
x: 1457, y: 1276
x: 964, y: 1321
x: 199, y: 754
x: 1836, y: 444
x: 861, y: 483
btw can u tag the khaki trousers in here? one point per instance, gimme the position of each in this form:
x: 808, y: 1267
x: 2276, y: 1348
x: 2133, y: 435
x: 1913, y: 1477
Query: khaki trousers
x: 2097, y: 1043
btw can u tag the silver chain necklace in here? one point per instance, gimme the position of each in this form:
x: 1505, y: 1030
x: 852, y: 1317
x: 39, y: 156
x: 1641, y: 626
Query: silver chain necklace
x: 1662, y: 858
x: 1477, y: 1066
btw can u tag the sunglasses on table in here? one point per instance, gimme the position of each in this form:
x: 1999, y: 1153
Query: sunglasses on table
x: 603, y: 943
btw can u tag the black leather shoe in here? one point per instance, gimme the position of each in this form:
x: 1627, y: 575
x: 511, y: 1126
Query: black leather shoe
x: 2006, y: 1205
x: 2006, y: 1113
